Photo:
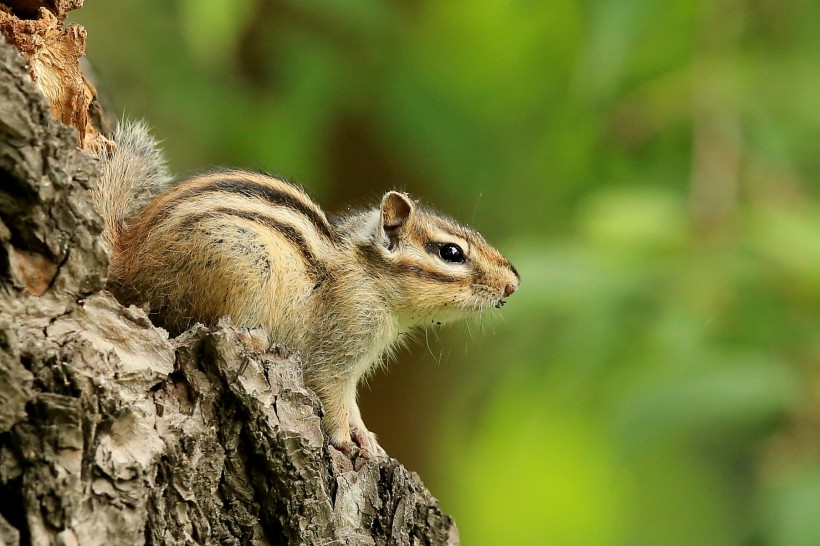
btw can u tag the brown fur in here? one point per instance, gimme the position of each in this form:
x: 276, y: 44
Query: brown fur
x: 261, y: 251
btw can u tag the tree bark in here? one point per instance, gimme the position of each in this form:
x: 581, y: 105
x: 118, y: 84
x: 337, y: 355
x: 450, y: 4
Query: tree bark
x: 112, y: 433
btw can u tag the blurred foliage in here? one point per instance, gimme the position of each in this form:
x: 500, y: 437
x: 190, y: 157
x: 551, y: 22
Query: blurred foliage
x: 650, y: 167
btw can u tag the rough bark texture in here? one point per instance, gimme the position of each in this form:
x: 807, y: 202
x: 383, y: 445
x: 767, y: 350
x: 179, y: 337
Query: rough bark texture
x: 111, y: 433
x: 29, y: 8
x: 53, y: 52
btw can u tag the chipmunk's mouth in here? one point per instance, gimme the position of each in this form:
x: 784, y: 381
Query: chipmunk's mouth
x: 500, y: 303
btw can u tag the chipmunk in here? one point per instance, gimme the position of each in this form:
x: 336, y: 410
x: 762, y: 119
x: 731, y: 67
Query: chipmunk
x: 260, y: 250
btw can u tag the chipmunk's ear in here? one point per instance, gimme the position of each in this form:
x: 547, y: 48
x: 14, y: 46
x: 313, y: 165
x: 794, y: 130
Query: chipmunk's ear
x: 397, y: 211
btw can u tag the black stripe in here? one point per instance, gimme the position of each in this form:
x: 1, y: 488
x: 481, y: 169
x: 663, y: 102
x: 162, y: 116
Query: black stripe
x: 243, y: 186
x: 289, y: 232
x: 513, y: 269
x: 424, y: 274
x: 372, y: 257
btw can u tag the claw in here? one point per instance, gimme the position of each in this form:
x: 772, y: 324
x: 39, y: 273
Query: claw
x: 349, y: 449
x: 368, y: 445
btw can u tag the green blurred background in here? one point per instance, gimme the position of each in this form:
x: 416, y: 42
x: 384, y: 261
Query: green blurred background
x: 650, y: 168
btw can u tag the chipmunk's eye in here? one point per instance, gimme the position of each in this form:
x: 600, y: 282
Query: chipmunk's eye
x: 451, y: 253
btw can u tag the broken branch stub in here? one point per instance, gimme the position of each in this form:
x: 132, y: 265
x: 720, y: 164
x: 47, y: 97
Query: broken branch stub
x: 53, y: 51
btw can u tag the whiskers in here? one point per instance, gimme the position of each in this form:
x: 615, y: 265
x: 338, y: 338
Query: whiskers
x: 484, y: 318
x: 427, y: 330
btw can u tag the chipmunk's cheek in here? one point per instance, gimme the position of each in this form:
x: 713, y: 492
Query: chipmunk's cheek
x: 477, y: 304
x: 462, y: 306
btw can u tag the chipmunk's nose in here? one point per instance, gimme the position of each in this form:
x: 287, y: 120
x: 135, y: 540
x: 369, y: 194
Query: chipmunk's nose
x: 510, y: 288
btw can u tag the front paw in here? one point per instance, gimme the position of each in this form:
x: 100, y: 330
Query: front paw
x: 348, y: 448
x: 366, y: 440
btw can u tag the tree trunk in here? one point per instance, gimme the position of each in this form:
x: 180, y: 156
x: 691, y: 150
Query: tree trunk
x: 111, y: 433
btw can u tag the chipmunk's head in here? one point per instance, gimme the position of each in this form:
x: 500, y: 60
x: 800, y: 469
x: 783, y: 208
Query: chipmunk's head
x: 441, y: 270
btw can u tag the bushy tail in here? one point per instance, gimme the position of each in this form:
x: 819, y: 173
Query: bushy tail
x: 132, y: 174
